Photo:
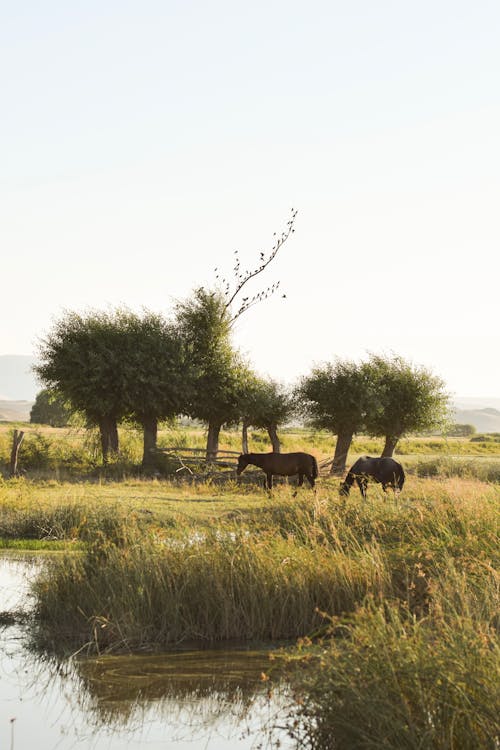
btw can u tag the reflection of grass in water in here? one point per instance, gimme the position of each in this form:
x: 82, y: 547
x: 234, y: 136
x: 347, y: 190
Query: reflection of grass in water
x: 189, y: 693
x: 207, y: 682
x: 176, y: 674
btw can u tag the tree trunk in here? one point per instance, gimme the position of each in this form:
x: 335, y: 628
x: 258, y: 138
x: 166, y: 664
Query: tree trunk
x: 150, y: 427
x: 108, y: 429
x: 114, y: 445
x: 244, y: 437
x: 17, y: 439
x: 103, y: 429
x: 213, y: 441
x: 389, y: 447
x: 344, y: 440
x: 272, y: 431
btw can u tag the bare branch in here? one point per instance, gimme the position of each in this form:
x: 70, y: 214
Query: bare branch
x: 243, y: 278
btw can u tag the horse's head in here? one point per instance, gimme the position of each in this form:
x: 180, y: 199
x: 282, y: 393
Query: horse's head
x: 344, y: 489
x: 243, y: 461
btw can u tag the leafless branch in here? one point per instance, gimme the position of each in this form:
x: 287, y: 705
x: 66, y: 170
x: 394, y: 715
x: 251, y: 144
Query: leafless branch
x: 242, y: 278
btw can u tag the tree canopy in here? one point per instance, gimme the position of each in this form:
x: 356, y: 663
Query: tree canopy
x: 406, y: 398
x: 50, y: 408
x: 116, y: 365
x: 384, y: 396
x: 266, y: 405
x: 218, y: 375
x: 335, y: 397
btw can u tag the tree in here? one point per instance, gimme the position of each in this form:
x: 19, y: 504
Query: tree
x: 218, y: 375
x: 460, y: 430
x: 266, y: 405
x: 80, y: 358
x: 231, y: 292
x: 335, y: 397
x: 50, y: 408
x: 153, y: 373
x: 117, y: 365
x: 406, y: 398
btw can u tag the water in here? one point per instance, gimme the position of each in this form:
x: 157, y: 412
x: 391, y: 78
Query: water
x: 201, y: 700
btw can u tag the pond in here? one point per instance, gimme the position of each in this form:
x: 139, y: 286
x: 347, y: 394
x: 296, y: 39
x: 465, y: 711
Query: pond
x: 210, y: 700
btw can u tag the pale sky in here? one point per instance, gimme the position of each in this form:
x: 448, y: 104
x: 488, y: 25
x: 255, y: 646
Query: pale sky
x: 142, y: 143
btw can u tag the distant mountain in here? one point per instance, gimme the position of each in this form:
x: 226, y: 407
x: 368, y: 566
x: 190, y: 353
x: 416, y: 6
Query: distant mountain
x: 464, y: 403
x: 17, y: 380
x: 484, y: 420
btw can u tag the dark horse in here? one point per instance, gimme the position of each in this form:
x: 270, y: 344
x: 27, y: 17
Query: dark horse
x: 386, y: 471
x: 281, y: 464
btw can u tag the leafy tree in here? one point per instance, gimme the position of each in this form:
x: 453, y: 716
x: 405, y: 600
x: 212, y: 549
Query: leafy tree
x: 266, y: 405
x: 406, y: 399
x: 217, y: 376
x: 50, y: 408
x: 335, y: 397
x: 117, y: 365
x: 153, y: 375
x: 80, y: 358
x: 460, y: 430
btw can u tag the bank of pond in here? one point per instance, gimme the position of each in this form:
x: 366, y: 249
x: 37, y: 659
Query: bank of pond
x: 375, y: 622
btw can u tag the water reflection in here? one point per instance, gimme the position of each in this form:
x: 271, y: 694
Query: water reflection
x: 209, y: 699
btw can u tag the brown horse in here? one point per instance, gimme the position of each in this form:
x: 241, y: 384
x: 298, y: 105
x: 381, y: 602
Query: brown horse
x: 385, y: 470
x: 281, y: 464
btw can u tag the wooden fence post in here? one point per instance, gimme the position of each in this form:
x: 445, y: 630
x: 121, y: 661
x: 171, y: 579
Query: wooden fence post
x: 16, y: 444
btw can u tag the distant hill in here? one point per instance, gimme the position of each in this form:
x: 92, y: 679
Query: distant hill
x: 17, y: 380
x: 484, y: 420
x: 464, y: 403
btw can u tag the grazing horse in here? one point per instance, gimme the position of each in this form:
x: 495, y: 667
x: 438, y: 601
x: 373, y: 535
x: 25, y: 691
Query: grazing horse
x: 281, y: 464
x: 386, y: 471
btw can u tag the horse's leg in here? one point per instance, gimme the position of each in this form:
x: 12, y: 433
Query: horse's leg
x: 301, y: 480
x: 269, y: 481
x: 362, y: 486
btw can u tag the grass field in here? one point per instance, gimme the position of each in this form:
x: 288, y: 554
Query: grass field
x: 389, y: 609
x: 74, y: 453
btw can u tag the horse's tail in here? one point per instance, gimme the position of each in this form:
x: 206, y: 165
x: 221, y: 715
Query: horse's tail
x: 315, y: 470
x: 401, y: 478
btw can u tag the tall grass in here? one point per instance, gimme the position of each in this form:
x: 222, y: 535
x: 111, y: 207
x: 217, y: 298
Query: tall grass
x: 263, y: 575
x: 387, y: 680
x: 226, y: 585
x: 398, y: 684
x: 65, y: 522
x: 397, y: 605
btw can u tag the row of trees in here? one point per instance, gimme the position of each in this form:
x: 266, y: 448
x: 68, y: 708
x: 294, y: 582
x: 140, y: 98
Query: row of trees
x: 118, y: 365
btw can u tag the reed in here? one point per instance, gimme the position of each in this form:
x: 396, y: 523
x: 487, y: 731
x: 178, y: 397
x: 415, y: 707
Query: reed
x: 222, y: 586
x: 387, y: 680
x: 262, y: 574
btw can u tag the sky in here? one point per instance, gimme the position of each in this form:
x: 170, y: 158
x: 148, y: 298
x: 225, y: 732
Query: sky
x: 141, y: 144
